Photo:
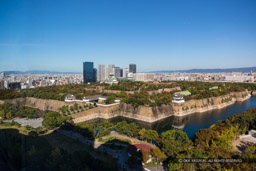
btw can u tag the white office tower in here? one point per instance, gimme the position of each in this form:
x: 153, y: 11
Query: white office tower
x: 30, y: 81
x: 110, y: 68
x: 125, y: 71
x: 106, y: 73
x: 130, y: 76
x: 2, y: 74
x: 101, y: 72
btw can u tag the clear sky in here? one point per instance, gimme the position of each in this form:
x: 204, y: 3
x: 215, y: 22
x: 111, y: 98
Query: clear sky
x: 59, y: 35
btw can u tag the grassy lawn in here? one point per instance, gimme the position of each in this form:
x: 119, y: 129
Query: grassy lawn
x: 21, y: 129
x: 117, y: 140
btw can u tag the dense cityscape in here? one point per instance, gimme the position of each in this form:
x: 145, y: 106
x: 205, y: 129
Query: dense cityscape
x: 114, y: 74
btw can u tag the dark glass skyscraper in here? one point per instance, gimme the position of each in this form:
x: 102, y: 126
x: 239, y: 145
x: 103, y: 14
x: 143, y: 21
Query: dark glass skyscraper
x: 117, y: 72
x: 132, y: 68
x: 89, y: 72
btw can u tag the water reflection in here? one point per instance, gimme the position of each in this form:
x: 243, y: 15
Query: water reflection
x: 193, y: 122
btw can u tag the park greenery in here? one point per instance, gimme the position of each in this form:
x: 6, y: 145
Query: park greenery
x: 24, y: 143
x: 125, y: 86
x: 134, y: 93
x: 54, y: 120
x: 71, y: 109
x: 214, y: 142
x: 113, y: 139
x: 110, y: 99
x: 9, y: 111
x: 49, y: 92
x: 210, y: 143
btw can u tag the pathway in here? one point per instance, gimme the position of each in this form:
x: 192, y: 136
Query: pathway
x: 121, y: 155
x: 133, y: 140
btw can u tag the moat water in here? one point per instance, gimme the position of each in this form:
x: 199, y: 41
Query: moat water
x: 192, y: 123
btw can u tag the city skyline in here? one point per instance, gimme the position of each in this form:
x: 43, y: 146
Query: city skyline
x: 60, y: 35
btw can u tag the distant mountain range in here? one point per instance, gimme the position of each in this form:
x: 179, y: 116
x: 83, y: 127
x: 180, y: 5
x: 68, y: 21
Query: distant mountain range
x: 247, y: 69
x: 38, y: 72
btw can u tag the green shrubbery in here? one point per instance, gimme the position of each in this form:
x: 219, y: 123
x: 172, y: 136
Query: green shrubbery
x: 9, y: 111
x: 54, y: 119
x: 199, y: 90
x: 125, y: 86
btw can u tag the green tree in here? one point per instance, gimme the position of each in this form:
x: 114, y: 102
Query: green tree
x: 142, y: 133
x: 32, y: 151
x: 204, y: 137
x: 76, y: 106
x: 2, y: 114
x: 53, y: 120
x: 132, y: 129
x: 175, y: 141
x: 156, y: 152
x: 8, y: 115
x: 57, y: 161
x: 249, y: 156
x: 110, y: 99
x: 150, y: 135
x: 145, y: 156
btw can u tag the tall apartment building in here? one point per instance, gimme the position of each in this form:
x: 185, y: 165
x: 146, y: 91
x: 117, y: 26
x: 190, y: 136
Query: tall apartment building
x: 111, y: 68
x: 89, y: 73
x: 101, y: 72
x: 125, y: 71
x: 132, y: 68
x: 2, y: 74
x: 106, y: 73
x: 1, y: 84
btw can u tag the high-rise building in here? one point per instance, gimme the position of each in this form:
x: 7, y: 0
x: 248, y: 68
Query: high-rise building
x: 101, y: 72
x: 132, y: 68
x: 110, y: 68
x: 117, y: 72
x: 106, y: 73
x: 2, y: 74
x: 121, y: 72
x: 125, y: 71
x: 89, y: 73
x: 95, y: 74
x: 1, y: 84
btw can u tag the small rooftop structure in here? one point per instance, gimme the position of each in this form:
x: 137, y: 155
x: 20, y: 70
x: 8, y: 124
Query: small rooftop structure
x: 214, y: 88
x: 94, y: 98
x: 183, y: 93
x: 70, y: 98
x: 177, y: 98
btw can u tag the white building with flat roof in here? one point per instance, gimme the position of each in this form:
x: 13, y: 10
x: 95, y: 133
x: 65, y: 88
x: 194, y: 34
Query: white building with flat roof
x: 125, y: 71
x: 145, y: 77
x: 101, y: 72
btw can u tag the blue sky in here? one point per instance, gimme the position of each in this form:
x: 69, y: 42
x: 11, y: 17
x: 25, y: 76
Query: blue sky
x: 59, y: 35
